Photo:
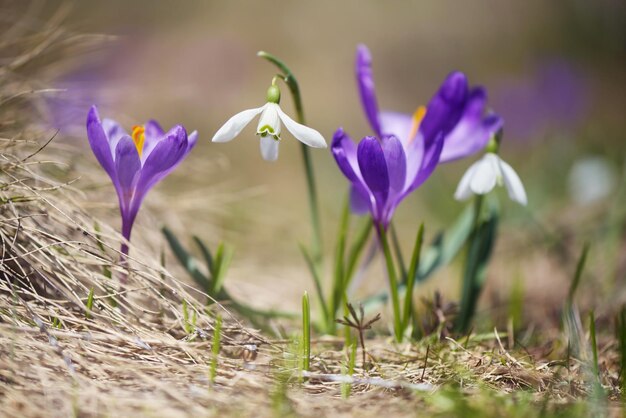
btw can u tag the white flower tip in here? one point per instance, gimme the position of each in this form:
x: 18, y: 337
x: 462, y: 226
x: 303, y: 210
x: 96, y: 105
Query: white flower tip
x: 304, y: 134
x: 269, y: 148
x: 513, y: 184
x: 520, y: 198
x: 235, y: 125
x: 220, y: 137
x: 462, y: 195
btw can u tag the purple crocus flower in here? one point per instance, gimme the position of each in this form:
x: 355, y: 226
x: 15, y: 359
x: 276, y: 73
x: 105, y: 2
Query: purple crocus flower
x: 136, y: 162
x: 384, y: 169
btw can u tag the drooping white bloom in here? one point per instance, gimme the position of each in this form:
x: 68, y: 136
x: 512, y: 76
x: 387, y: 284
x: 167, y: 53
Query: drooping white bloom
x: 483, y: 176
x: 269, y: 129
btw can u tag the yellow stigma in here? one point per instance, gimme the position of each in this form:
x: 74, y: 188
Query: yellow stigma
x: 139, y: 137
x: 418, y: 116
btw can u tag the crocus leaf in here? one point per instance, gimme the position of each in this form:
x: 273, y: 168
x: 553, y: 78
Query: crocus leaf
x: 480, y: 249
x: 363, y: 233
x: 446, y: 245
x: 440, y: 252
x: 223, y: 257
x: 206, y: 253
x: 186, y: 260
x: 413, y: 268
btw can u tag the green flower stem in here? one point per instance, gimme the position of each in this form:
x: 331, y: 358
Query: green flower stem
x: 395, y: 241
x: 306, y: 332
x: 467, y: 304
x: 393, y: 283
x: 339, y: 277
x: 294, y: 89
x: 410, y: 282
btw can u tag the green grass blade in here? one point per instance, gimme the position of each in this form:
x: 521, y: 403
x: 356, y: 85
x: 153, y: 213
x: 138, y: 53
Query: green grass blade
x: 594, y: 344
x: 89, y: 304
x: 621, y: 338
x: 579, y: 271
x: 215, y: 348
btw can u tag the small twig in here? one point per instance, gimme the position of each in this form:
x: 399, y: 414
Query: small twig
x: 425, y: 362
x: 41, y: 148
x: 357, y: 322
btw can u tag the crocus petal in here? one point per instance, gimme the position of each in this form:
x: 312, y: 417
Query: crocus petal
x: 445, y: 108
x: 485, y: 175
x: 463, y: 190
x: 344, y: 150
x: 374, y: 171
x: 513, y: 183
x: 472, y: 132
x: 235, y: 125
x: 429, y: 162
x: 397, y: 124
x: 167, y: 153
x: 302, y: 133
x: 365, y: 81
x: 127, y: 166
x: 100, y: 144
x: 360, y: 202
x: 396, y: 162
x: 114, y: 133
x: 269, y: 148
x: 153, y: 134
x: 192, y: 139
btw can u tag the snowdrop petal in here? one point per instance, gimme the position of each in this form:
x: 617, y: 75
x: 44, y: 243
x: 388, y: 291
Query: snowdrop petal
x: 485, y: 175
x: 302, y: 133
x: 463, y: 190
x: 269, y: 148
x: 513, y: 184
x: 235, y: 125
x: 269, y: 122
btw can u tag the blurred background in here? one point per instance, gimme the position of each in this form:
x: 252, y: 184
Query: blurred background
x: 555, y: 71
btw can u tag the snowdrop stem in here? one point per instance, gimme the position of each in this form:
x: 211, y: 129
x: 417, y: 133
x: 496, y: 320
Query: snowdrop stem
x: 478, y: 206
x: 292, y: 83
x: 467, y: 302
x: 276, y: 78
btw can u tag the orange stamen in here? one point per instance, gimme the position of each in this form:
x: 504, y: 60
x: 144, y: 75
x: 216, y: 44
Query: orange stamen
x: 139, y: 137
x: 418, y: 116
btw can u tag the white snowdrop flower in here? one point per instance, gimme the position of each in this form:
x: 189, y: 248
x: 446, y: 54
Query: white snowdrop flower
x: 269, y: 127
x: 483, y: 176
x: 591, y: 179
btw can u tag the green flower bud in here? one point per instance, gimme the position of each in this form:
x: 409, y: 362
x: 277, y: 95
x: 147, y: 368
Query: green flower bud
x: 494, y: 143
x: 273, y: 94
